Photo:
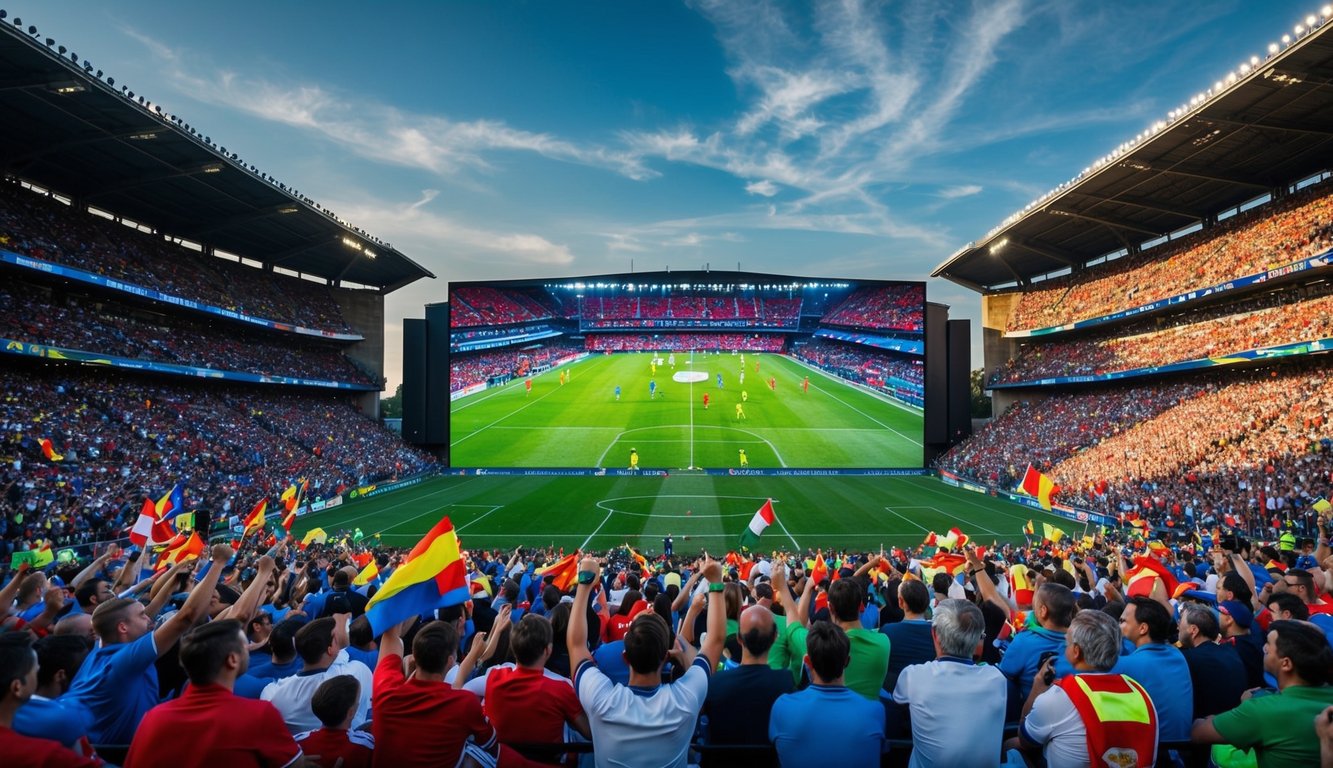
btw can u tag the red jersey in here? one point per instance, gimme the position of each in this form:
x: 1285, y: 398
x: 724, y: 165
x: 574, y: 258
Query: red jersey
x: 526, y: 705
x: 335, y: 746
x: 42, y: 753
x: 424, y: 723
x: 218, y: 728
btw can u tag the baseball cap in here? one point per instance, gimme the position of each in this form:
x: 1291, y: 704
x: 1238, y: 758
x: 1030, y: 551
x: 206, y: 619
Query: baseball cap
x: 1238, y: 612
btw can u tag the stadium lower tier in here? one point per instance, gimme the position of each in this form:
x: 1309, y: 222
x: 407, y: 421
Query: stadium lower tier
x: 35, y: 314
x: 684, y: 342
x: 1210, y: 448
x: 115, y: 439
x: 38, y: 226
x: 1280, y: 318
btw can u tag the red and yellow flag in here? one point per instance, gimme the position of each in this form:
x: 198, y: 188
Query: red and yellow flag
x: 1039, y: 487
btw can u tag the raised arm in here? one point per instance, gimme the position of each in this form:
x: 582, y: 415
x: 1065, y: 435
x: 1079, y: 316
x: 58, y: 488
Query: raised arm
x: 93, y: 567
x: 166, y: 635
x: 11, y: 590
x: 717, y: 617
x: 247, y: 605
x: 576, y: 636
x: 976, y: 570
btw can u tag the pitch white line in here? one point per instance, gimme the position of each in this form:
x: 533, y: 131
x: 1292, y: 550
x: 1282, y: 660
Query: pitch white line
x: 609, y: 513
x: 907, y: 519
x: 483, y: 514
x: 413, y: 500
x: 502, y: 418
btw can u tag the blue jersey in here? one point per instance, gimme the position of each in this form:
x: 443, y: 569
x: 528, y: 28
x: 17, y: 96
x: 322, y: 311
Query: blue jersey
x: 719, y: 379
x: 652, y: 386
x: 617, y: 391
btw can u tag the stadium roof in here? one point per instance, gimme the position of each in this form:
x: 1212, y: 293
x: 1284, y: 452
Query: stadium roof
x: 1266, y: 126
x: 69, y: 130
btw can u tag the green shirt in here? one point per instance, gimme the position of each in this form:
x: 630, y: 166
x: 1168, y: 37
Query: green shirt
x: 1279, y: 726
x: 788, y: 652
x: 870, y: 659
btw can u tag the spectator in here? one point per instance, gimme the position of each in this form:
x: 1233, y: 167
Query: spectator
x: 48, y: 714
x: 523, y: 702
x: 1285, y: 606
x: 1053, y: 607
x: 1235, y: 619
x: 18, y: 679
x: 117, y: 682
x: 322, y: 646
x: 957, y: 706
x: 827, y: 723
x: 419, y: 719
x: 911, y: 640
x: 647, y: 717
x: 870, y: 649
x: 335, y: 703
x: 1217, y: 676
x: 1092, y: 713
x: 1157, y: 665
x: 1277, y: 726
x: 739, y: 700
x: 214, y: 726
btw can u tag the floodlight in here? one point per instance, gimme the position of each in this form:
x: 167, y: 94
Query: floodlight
x: 1273, y: 48
x: 1310, y: 21
x: 61, y: 50
x: 50, y: 42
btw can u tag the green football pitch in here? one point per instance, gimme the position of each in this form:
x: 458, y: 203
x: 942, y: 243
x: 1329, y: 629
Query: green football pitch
x: 582, y: 424
x: 699, y: 511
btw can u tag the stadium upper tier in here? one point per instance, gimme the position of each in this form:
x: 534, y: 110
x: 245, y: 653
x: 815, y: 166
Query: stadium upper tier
x: 471, y: 306
x: 896, y: 308
x: 1253, y: 241
x: 648, y: 311
x: 1273, y: 319
x: 41, y: 227
x: 684, y: 342
x: 126, y: 437
x: 30, y: 313
x: 1211, y: 444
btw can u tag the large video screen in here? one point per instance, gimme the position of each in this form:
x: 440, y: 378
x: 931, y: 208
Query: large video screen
x: 700, y: 370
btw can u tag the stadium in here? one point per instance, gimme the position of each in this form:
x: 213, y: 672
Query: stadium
x: 196, y: 450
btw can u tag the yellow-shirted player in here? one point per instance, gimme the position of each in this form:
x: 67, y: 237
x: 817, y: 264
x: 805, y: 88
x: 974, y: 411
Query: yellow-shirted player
x: 745, y: 460
x: 745, y: 396
x: 740, y: 411
x: 633, y: 459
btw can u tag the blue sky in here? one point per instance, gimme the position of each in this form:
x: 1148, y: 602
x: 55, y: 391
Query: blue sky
x: 523, y: 139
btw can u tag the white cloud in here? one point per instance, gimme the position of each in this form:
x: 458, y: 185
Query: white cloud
x: 962, y: 190
x: 765, y: 188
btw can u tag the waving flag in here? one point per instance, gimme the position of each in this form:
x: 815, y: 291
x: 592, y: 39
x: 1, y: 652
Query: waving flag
x: 192, y: 547
x: 564, y: 572
x: 289, y: 497
x: 758, y: 524
x: 433, y: 576
x: 367, y: 574
x: 950, y: 564
x: 171, y: 504
x: 49, y: 450
x: 1029, y: 529
x: 1322, y: 505
x: 819, y: 571
x: 289, y: 516
x: 1051, y: 533
x: 1039, y: 487
x: 314, y: 536
x: 255, y: 520
x: 638, y: 558
x: 1146, y: 571
x: 150, y: 530
x: 954, y: 539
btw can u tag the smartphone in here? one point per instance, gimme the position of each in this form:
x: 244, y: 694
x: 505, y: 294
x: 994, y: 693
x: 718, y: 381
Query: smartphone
x: 1049, y: 676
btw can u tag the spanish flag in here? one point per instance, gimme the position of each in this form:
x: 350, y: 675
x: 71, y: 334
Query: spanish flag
x: 1140, y: 579
x: 563, y: 572
x: 190, y: 548
x: 433, y: 576
x: 255, y: 520
x: 1029, y: 529
x: 1039, y: 487
x: 950, y: 564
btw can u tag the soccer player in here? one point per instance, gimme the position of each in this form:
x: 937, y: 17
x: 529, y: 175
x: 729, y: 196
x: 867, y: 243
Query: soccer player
x: 756, y: 366
x: 742, y: 375
x: 705, y: 401
x: 653, y: 366
x: 745, y: 396
x: 562, y: 378
x: 719, y: 381
x: 617, y: 393
x: 633, y: 459
x: 740, y: 411
x: 527, y: 385
x: 805, y: 385
x: 652, y: 389
x: 773, y: 383
x: 745, y: 460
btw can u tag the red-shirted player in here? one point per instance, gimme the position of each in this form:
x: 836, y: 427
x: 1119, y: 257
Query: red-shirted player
x: 528, y: 386
x: 773, y: 383
x: 805, y: 385
x: 705, y: 401
x: 334, y: 703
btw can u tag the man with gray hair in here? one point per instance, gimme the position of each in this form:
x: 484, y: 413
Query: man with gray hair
x: 1216, y: 672
x: 1089, y: 717
x: 938, y: 691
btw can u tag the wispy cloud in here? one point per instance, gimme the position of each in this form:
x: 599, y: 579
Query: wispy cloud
x: 381, y: 132
x: 962, y: 190
x: 764, y: 188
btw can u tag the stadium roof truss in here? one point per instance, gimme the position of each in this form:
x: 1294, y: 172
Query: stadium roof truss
x: 1268, y: 130
x: 68, y: 130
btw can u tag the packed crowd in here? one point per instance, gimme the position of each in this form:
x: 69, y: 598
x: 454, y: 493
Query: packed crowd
x: 753, y: 311
x: 684, y: 342
x: 485, y: 306
x: 43, y: 228
x: 124, y: 438
x: 470, y: 369
x: 888, y: 307
x: 895, y: 374
x: 1250, y: 449
x: 846, y: 658
x: 30, y: 313
x: 1262, y: 238
x: 1279, y: 318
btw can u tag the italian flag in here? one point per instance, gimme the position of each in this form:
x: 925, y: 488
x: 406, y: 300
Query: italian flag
x: 758, y: 524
